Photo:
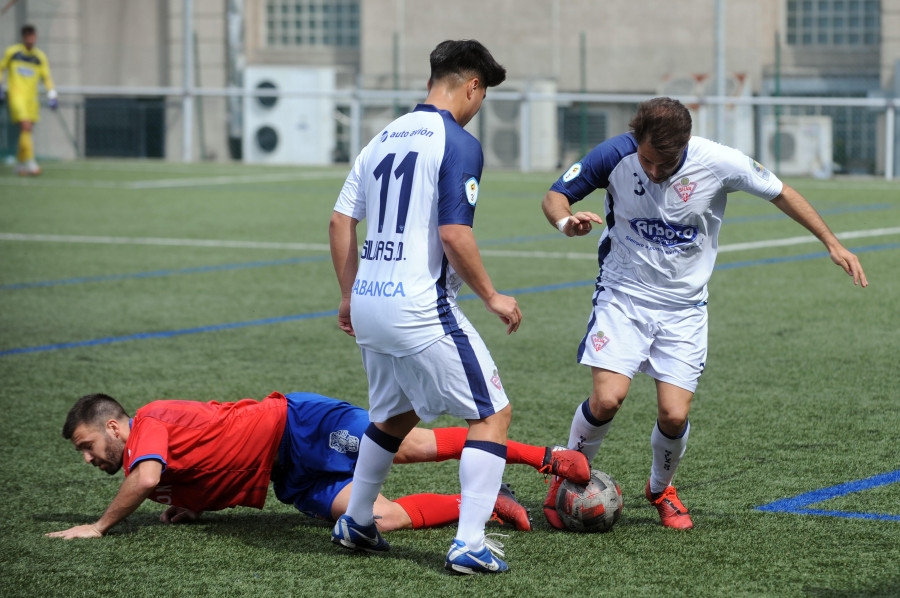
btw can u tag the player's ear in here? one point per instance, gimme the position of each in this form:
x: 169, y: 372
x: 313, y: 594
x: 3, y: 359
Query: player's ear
x: 113, y: 428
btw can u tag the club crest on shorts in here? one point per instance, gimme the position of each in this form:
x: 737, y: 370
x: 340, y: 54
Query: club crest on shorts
x: 472, y: 191
x: 599, y: 340
x: 685, y: 188
x: 495, y: 380
x: 343, y: 442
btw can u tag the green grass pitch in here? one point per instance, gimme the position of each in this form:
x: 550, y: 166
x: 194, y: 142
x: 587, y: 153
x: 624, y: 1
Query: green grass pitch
x: 799, y: 393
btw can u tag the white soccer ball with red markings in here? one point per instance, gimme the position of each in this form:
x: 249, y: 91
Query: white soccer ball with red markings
x: 592, y: 508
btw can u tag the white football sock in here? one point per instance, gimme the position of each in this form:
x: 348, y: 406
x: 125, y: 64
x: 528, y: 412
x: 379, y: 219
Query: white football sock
x: 586, y: 435
x: 372, y: 469
x: 480, y: 476
x: 667, y: 453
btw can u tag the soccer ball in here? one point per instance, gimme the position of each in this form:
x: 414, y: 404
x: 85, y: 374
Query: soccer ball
x: 592, y: 508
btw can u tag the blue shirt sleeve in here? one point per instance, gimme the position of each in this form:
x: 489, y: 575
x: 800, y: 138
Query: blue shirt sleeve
x: 594, y: 169
x: 463, y: 161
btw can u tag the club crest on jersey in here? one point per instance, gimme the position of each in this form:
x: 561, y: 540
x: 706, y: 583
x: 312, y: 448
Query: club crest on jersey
x: 759, y: 169
x: 685, y: 188
x: 495, y: 380
x: 343, y: 442
x: 472, y: 191
x: 599, y: 340
x: 573, y: 172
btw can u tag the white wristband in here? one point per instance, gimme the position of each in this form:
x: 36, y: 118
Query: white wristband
x: 51, y: 94
x: 561, y: 224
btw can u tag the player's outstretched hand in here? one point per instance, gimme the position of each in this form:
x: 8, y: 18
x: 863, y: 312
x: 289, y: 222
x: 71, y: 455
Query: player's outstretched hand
x: 80, y: 531
x: 52, y: 100
x: 178, y: 515
x: 507, y: 308
x: 580, y: 224
x: 847, y: 260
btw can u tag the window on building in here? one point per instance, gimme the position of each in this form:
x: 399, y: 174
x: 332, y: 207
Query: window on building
x: 312, y: 23
x: 833, y: 22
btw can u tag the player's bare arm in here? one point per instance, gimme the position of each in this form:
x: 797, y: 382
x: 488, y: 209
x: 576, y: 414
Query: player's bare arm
x: 799, y: 209
x: 342, y: 236
x: 136, y: 488
x: 462, y: 253
x: 556, y: 208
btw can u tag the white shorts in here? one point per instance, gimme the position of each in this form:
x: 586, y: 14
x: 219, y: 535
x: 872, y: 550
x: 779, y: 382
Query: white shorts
x: 627, y: 335
x: 455, y: 376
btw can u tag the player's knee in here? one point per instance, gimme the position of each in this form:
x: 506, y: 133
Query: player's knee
x: 604, y: 406
x: 672, y: 422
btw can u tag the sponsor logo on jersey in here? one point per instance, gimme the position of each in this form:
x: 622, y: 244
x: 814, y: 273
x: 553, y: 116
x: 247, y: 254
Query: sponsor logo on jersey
x: 572, y: 173
x: 472, y: 191
x: 384, y: 136
x: 759, y: 169
x: 664, y: 233
x: 685, y: 188
x: 377, y: 288
x: 342, y: 442
x: 599, y: 340
x: 495, y: 380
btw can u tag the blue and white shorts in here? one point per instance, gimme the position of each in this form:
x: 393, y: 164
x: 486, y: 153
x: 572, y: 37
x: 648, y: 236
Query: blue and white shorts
x: 455, y: 376
x: 627, y: 335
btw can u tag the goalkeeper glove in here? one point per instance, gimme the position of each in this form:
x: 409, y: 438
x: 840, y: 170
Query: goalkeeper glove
x: 52, y: 101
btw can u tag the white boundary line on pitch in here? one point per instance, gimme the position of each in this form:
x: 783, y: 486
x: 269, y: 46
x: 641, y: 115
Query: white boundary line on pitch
x: 176, y: 183
x: 860, y: 234
x: 164, y: 241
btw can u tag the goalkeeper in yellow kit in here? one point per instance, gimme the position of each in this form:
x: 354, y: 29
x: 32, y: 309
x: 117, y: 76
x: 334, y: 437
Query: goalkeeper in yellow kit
x: 25, y: 64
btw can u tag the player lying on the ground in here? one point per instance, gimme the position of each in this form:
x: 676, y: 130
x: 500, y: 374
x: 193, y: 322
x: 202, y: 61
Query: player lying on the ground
x: 199, y: 457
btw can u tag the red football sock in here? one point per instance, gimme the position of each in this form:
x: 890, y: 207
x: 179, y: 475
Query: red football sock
x: 517, y: 452
x: 450, y: 443
x: 430, y: 510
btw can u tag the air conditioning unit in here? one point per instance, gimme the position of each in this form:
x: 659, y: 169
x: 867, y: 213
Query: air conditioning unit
x: 289, y: 128
x: 804, y: 145
x: 498, y: 126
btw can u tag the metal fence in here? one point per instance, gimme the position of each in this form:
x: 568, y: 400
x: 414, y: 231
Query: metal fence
x: 522, y: 130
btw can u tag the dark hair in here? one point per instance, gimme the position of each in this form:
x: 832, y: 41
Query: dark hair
x: 465, y: 58
x: 28, y: 30
x: 664, y: 122
x: 95, y: 409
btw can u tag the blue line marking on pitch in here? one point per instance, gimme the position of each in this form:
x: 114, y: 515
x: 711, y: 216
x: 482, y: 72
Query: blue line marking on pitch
x: 799, y: 504
x: 155, y: 273
x: 523, y: 291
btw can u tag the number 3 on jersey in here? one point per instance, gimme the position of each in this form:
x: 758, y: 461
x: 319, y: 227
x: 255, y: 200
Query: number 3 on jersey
x: 404, y: 173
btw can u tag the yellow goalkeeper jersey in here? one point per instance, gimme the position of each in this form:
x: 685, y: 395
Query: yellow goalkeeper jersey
x: 24, y: 67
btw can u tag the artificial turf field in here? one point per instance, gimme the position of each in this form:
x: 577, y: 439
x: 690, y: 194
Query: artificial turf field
x: 146, y: 280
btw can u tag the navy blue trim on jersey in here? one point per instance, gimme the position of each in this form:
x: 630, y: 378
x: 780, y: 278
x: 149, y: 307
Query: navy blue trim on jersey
x: 442, y: 304
x: 596, y: 167
x: 605, y: 247
x: 487, y: 446
x: 21, y: 56
x: 463, y: 159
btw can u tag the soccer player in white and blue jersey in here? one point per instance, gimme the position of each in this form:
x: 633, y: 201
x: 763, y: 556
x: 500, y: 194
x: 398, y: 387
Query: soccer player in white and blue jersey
x: 416, y: 184
x: 665, y: 200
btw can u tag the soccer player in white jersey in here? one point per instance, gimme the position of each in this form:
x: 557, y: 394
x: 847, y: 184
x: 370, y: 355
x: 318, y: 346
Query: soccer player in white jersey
x: 417, y: 184
x: 665, y: 199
